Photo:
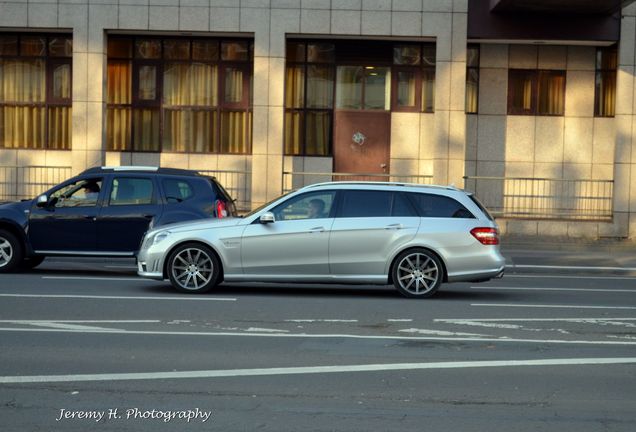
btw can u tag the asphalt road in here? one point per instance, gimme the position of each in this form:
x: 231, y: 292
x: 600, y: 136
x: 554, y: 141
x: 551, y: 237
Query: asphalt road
x: 550, y: 347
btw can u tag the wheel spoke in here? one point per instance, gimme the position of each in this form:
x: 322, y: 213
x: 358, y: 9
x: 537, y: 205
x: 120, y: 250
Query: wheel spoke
x: 417, y: 286
x: 185, y: 284
x: 417, y: 261
x: 408, y: 285
x: 412, y: 267
x: 425, y: 262
x: 182, y: 260
x: 181, y: 275
x: 407, y: 277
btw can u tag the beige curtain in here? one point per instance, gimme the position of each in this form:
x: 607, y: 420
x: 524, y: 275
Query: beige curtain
x: 23, y: 81
x: 526, y: 94
x: 233, y: 85
x: 60, y: 128
x: 472, y: 91
x: 62, y: 81
x: 406, y: 89
x: 319, y: 87
x: 146, y: 129
x: 118, y: 127
x: 551, y: 93
x: 428, y: 90
x: 293, y: 132
x: 192, y: 84
x: 318, y: 126
x: 294, y: 87
x: 606, y: 99
x: 189, y: 131
x: 119, y: 82
x: 233, y: 136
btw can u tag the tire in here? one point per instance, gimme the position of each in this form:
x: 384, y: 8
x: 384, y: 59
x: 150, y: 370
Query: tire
x: 193, y: 268
x: 11, y: 252
x: 31, y: 262
x: 417, y: 273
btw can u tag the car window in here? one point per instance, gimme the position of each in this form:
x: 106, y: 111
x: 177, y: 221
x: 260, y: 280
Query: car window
x: 82, y: 193
x: 131, y: 191
x: 370, y: 203
x: 313, y: 205
x: 177, y: 190
x: 431, y: 205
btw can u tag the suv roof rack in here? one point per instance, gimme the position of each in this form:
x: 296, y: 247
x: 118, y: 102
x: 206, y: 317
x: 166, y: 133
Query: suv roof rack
x: 376, y: 183
x: 140, y: 168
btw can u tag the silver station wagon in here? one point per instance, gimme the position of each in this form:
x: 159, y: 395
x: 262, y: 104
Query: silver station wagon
x: 414, y: 237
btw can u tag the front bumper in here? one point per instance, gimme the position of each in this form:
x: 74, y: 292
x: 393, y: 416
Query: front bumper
x: 150, y: 265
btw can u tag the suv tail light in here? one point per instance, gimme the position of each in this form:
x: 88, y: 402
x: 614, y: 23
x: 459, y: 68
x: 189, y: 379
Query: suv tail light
x: 221, y: 209
x: 486, y: 236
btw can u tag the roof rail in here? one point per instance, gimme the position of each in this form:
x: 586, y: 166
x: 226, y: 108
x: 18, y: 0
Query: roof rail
x: 404, y: 184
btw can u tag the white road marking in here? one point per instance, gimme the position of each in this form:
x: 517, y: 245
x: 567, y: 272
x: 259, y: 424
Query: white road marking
x: 197, y: 298
x: 528, y: 266
x: 80, y: 321
x: 550, y: 306
x: 440, y: 332
x: 550, y: 289
x: 508, y: 276
x: 265, y: 330
x: 576, y: 320
x: 92, y: 278
x: 322, y: 320
x: 224, y: 373
x: 58, y: 325
x: 323, y: 336
x: 399, y: 320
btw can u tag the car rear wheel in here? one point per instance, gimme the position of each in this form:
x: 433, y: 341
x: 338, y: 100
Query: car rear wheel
x: 193, y: 268
x: 10, y: 252
x: 417, y: 273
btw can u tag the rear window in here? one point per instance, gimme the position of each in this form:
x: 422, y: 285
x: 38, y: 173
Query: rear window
x: 439, y: 206
x: 177, y: 190
x: 371, y: 203
x: 481, y: 207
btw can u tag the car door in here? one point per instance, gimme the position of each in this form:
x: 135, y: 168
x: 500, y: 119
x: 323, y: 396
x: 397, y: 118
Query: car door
x: 297, y: 243
x: 68, y: 222
x: 369, y: 226
x: 132, y: 202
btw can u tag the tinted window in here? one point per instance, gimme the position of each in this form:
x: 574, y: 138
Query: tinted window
x: 440, y: 206
x: 177, y: 190
x: 131, y: 191
x: 314, y: 205
x: 82, y: 193
x: 375, y: 204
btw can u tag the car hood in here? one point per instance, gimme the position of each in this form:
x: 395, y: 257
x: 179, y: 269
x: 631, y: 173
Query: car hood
x: 16, y: 206
x: 199, y: 224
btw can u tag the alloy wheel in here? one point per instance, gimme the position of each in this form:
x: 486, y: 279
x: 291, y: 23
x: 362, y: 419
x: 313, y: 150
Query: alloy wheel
x: 192, y: 269
x: 418, y: 273
x: 6, y: 252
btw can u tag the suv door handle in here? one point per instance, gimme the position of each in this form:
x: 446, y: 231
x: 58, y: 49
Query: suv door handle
x: 395, y: 226
x: 317, y: 229
x: 148, y: 216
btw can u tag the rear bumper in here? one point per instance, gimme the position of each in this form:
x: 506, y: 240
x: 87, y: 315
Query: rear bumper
x: 482, y: 276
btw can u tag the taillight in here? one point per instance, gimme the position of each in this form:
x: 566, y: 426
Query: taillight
x: 486, y: 236
x: 221, y: 209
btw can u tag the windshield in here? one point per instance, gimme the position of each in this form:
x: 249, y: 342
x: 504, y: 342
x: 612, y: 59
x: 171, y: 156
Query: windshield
x: 256, y: 210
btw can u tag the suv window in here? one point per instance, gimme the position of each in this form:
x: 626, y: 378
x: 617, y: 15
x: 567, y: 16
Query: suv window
x: 313, y: 205
x: 131, y: 191
x: 82, y: 193
x: 177, y: 190
x: 431, y: 205
x: 370, y: 203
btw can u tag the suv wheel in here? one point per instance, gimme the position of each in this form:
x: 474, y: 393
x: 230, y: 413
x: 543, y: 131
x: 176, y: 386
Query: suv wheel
x: 10, y: 252
x: 193, y: 268
x: 417, y: 273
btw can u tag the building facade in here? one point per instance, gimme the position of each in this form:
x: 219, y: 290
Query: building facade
x: 530, y: 104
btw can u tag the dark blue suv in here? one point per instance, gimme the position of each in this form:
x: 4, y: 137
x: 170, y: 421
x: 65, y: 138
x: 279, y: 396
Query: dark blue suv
x: 105, y: 212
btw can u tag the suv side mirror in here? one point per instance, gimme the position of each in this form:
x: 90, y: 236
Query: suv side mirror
x: 42, y: 200
x: 267, y: 217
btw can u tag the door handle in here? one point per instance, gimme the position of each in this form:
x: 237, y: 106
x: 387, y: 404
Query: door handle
x: 395, y: 226
x: 93, y: 218
x: 317, y: 229
x: 148, y: 216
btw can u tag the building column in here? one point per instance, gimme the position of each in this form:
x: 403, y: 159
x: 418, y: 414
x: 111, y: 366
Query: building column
x: 625, y: 156
x: 449, y: 151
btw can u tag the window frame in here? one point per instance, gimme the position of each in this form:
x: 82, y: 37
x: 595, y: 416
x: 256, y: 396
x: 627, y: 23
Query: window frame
x: 419, y: 70
x: 535, y: 75
x: 473, y: 68
x: 613, y: 73
x: 135, y: 63
x: 50, y: 61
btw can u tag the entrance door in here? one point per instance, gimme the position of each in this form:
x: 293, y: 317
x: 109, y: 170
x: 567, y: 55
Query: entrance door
x: 362, y: 126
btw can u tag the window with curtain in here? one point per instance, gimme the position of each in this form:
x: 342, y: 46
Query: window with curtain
x: 35, y: 91
x: 536, y: 92
x: 188, y: 95
x: 413, y: 78
x: 309, y: 98
x: 472, y: 79
x: 605, y: 88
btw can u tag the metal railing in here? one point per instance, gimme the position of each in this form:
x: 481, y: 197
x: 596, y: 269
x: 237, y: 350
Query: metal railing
x: 237, y: 183
x: 544, y: 198
x: 29, y: 181
x: 294, y: 180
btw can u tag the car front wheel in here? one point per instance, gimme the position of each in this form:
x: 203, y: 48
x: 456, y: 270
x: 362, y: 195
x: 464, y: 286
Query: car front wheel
x: 417, y: 273
x: 193, y: 268
x: 10, y: 252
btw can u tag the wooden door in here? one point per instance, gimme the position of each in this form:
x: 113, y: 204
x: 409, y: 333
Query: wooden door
x: 362, y: 141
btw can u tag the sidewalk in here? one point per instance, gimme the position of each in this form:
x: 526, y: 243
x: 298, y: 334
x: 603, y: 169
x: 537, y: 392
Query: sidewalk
x: 570, y: 255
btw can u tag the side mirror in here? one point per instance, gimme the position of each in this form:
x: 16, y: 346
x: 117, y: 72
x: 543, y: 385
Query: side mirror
x: 267, y: 217
x: 42, y: 201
